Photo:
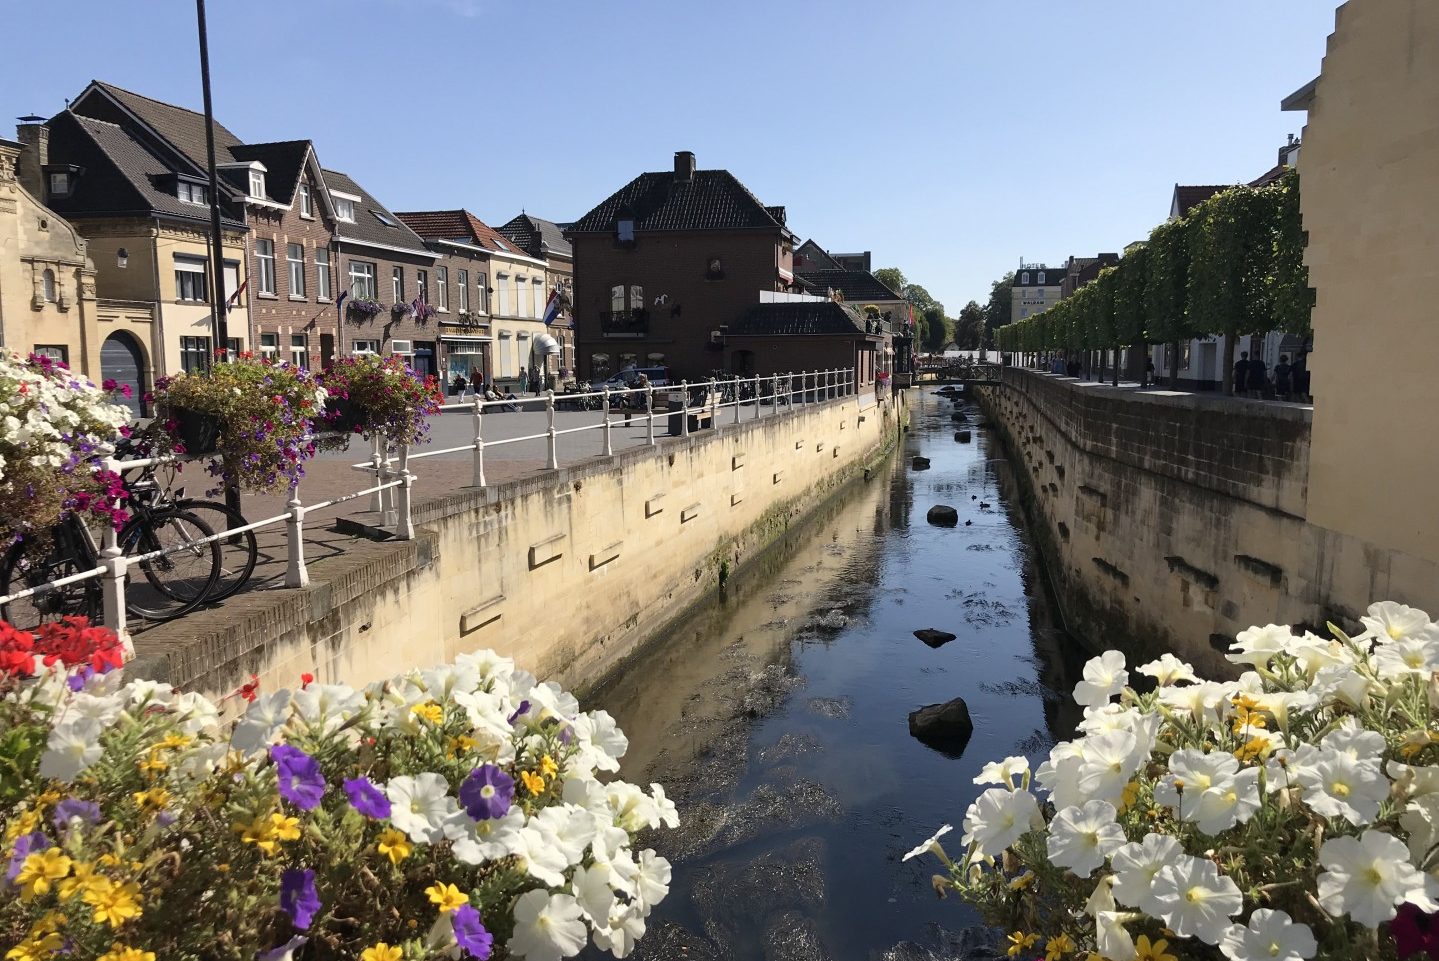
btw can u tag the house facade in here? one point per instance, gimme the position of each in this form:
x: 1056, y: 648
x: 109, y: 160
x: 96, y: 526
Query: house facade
x: 545, y: 240
x: 1036, y: 288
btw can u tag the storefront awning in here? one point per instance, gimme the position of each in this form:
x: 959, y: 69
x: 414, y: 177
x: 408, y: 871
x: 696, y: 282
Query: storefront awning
x: 545, y: 345
x: 459, y: 339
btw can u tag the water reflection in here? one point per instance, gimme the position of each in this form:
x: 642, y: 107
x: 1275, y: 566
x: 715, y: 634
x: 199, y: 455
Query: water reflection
x: 777, y: 714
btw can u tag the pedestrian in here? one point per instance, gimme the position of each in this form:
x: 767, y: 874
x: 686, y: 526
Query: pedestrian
x: 1148, y: 372
x: 535, y: 381
x: 1300, y: 375
x: 460, y: 385
x: 1074, y: 368
x: 1283, y: 378
x: 1258, y: 378
x: 1241, y: 374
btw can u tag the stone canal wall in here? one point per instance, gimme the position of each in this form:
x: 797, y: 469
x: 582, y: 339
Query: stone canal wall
x: 1176, y: 521
x: 567, y: 571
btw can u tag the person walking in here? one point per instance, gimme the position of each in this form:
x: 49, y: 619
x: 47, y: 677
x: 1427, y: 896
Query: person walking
x: 1148, y: 372
x: 1258, y: 378
x: 1283, y: 378
x: 1241, y: 374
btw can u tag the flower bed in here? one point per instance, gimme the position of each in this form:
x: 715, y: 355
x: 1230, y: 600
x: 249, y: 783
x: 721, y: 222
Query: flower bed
x: 265, y: 410
x: 383, y: 397
x: 55, y: 426
x: 1291, y: 814
x: 451, y: 812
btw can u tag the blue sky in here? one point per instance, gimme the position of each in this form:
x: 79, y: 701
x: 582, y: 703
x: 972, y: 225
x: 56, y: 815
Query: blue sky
x: 950, y: 137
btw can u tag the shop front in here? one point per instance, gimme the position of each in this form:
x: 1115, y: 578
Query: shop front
x: 466, y: 356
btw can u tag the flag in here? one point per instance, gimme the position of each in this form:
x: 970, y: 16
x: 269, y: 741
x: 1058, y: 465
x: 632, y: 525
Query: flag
x: 553, y: 306
x: 234, y: 299
x: 340, y: 302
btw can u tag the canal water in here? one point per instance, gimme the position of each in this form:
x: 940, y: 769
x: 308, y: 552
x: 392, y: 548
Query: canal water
x: 777, y: 714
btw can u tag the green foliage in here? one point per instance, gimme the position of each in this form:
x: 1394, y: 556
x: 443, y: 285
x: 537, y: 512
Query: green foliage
x: 1290, y: 294
x: 1129, y: 295
x: 997, y: 310
x: 1231, y: 253
x: 936, y: 328
x: 1166, y: 289
x: 969, y: 327
x: 893, y: 278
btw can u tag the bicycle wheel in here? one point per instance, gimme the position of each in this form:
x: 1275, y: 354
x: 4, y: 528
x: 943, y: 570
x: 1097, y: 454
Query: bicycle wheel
x: 36, y: 561
x: 178, y: 581
x: 238, y: 552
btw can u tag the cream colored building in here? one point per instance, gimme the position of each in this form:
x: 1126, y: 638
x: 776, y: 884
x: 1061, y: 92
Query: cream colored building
x: 1370, y: 175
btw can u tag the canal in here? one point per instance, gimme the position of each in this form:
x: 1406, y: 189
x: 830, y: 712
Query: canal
x: 776, y: 714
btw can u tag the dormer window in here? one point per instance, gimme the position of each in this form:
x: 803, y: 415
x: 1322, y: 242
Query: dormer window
x: 257, y: 184
x: 307, y: 202
x: 1041, y: 278
x: 1024, y: 279
x: 625, y: 230
x: 345, y: 209
x: 191, y: 193
x: 60, y: 184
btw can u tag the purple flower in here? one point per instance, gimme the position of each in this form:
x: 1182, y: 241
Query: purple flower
x: 487, y: 793
x: 470, y: 934
x: 76, y: 681
x: 298, y: 896
x: 25, y: 845
x: 285, y: 952
x: 524, y: 706
x: 301, y: 782
x: 366, y: 798
x: 71, y: 808
x: 1415, y: 932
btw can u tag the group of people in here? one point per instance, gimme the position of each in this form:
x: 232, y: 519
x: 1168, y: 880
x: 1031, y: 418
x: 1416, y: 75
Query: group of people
x: 489, y: 391
x: 1290, y: 381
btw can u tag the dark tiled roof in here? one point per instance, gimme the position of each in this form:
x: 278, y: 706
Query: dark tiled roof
x: 1053, y: 276
x: 368, y: 228
x: 185, y: 129
x: 858, y: 286
x: 1270, y: 175
x: 283, y: 163
x: 537, y: 237
x: 778, y: 213
x: 798, y: 317
x: 457, y: 225
x: 1188, y: 198
x: 711, y: 200
x: 814, y: 257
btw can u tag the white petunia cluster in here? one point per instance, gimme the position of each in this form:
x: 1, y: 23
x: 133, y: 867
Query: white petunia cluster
x: 48, y: 414
x: 1290, y: 813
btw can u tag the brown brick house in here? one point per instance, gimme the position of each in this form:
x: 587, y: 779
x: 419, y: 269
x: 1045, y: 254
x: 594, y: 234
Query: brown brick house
x: 667, y: 263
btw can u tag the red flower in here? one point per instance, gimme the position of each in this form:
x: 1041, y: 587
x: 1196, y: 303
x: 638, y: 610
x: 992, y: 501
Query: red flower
x: 306, y: 680
x: 250, y: 690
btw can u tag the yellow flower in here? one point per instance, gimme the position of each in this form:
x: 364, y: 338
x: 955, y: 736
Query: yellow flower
x: 462, y: 743
x: 257, y: 832
x: 382, y: 952
x: 284, y: 827
x: 1151, y: 952
x: 113, y: 903
x: 1022, y: 882
x: 1255, y: 749
x: 548, y: 767
x: 108, y: 860
x: 24, y: 823
x: 40, y: 871
x: 173, y: 741
x: 533, y: 782
x: 47, y: 799
x: 154, y: 799
x: 429, y: 711
x: 121, y: 952
x: 446, y: 897
x: 151, y: 763
x: 1057, y: 947
x: 1130, y: 795
x: 36, y: 949
x: 394, y: 845
x: 49, y: 923
x: 1019, y: 942
x: 77, y: 883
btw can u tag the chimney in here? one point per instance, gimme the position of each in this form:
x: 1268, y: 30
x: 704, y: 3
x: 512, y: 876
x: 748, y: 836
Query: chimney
x: 34, y: 139
x: 684, y: 166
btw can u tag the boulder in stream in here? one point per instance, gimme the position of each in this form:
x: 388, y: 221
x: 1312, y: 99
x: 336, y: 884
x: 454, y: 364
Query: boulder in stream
x: 958, y: 417
x: 919, y: 463
x: 934, y: 637
x: 944, y: 727
x: 942, y: 515
x: 962, y: 436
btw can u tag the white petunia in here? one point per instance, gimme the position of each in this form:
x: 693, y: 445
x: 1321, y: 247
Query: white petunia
x: 1195, y: 900
x: 931, y: 846
x: 327, y: 706
x: 1168, y: 670
x: 652, y: 882
x: 1104, y: 677
x: 1059, y: 775
x: 1355, y: 740
x: 548, y: 927
x: 539, y: 857
x: 262, y: 721
x: 143, y: 691
x: 592, y: 891
x: 665, y: 812
x: 569, y: 829
x: 71, y: 748
x: 1258, y: 645
x: 1388, y: 621
x: 1107, y: 763
x: 1010, y: 772
x: 1136, y: 864
x: 1209, y: 789
x: 1110, y: 937
x: 1420, y: 821
x: 611, y: 852
x: 626, y: 926
x: 1338, y: 785
x: 998, y: 818
x: 1080, y: 838
x: 1270, y: 935
x: 1407, y: 657
x: 1201, y: 700
x: 1368, y: 877
x: 421, y: 806
x: 602, y: 742
x: 490, y: 839
x: 1314, y: 653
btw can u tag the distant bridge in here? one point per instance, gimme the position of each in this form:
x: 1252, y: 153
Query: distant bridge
x: 966, y: 372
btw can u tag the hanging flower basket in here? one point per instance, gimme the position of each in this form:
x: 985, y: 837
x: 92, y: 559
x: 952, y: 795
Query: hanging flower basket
x: 382, y: 396
x: 402, y: 310
x: 360, y: 310
x: 197, y: 432
x: 341, y: 415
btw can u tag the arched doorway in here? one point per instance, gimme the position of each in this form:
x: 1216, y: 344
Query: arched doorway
x: 123, y: 361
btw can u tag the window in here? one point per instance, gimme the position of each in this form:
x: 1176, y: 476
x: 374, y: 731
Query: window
x: 522, y: 299
x: 295, y: 256
x: 297, y: 350
x: 47, y: 282
x: 599, y: 366
x: 345, y: 209
x: 482, y: 293
x: 366, y: 347
x: 362, y: 280
x: 1024, y: 279
x: 539, y: 295
x: 233, y: 348
x: 60, y: 185
x: 270, y: 346
x: 194, y: 354
x: 59, y: 353
x: 190, y: 279
x: 383, y: 219
x: 1041, y: 278
x: 507, y: 352
x: 322, y: 272
x: 442, y: 288
x: 504, y: 281
x: 257, y: 184
x: 307, y: 202
x: 626, y: 230
x: 191, y: 193
x: 401, y: 347
x: 265, y: 263
x: 422, y: 284
x: 1024, y: 311
x: 397, y: 283
x: 462, y: 284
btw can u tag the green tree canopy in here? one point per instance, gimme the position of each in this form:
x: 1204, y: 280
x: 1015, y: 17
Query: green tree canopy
x: 969, y: 327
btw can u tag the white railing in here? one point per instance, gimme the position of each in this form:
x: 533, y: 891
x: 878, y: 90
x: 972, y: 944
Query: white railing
x: 698, y: 403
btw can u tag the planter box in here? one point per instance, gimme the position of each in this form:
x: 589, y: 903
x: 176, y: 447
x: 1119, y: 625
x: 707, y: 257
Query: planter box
x: 199, y: 432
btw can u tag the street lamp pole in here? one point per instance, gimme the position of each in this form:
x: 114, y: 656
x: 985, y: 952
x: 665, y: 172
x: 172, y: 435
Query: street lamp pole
x: 219, y: 323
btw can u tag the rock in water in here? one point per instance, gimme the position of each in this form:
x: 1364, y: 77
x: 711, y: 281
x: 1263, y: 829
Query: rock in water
x: 958, y: 417
x: 932, y: 637
x: 963, y: 436
x: 944, y: 727
x: 920, y: 463
x: 942, y: 515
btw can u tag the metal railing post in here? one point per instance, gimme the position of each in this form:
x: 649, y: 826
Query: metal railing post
x: 479, y: 478
x: 296, y: 575
x: 554, y: 458
x: 804, y: 387
x: 684, y: 408
x: 650, y: 413
x: 387, y: 496
x: 377, y: 456
x: 713, y: 403
x: 738, y: 394
x: 405, y: 524
x: 115, y: 564
x: 605, y: 400
x: 757, y: 380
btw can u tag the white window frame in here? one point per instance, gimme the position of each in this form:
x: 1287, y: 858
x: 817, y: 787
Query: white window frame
x: 362, y: 347
x: 397, y: 283
x: 345, y: 209
x: 270, y: 345
x: 296, y: 270
x: 503, y: 283
x: 60, y: 183
x: 298, y: 351
x: 307, y: 202
x: 538, y: 285
x: 442, y: 287
x: 1024, y: 279
x: 422, y: 285
x: 192, y: 265
x: 522, y: 301
x: 362, y: 272
x: 482, y: 287
x: 188, y: 193
x: 257, y: 184
x: 265, y: 261
x: 405, y: 348
x: 462, y: 285
x: 507, y: 353
x: 323, y: 290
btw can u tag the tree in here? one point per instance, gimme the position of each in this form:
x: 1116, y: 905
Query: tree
x: 969, y: 327
x: 997, y: 311
x: 893, y: 278
x: 936, y: 328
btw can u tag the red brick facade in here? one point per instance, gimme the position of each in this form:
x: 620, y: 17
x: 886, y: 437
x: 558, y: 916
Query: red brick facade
x: 293, y: 321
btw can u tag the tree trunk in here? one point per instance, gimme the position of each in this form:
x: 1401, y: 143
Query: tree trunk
x: 1226, y: 375
x: 1117, y: 354
x: 1174, y: 366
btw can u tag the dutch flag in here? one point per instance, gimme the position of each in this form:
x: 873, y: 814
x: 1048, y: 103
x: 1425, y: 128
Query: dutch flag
x: 553, y: 306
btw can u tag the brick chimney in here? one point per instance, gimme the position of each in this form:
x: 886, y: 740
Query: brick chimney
x: 34, y: 139
x: 684, y: 166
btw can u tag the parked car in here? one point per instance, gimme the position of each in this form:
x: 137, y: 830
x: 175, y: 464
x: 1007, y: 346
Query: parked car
x: 659, y: 377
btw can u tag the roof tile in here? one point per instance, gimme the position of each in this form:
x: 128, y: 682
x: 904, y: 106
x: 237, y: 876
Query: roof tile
x: 711, y: 200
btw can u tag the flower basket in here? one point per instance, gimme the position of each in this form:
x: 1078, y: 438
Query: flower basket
x: 55, y: 431
x: 341, y: 415
x: 384, y: 397
x: 402, y: 310
x: 197, y: 431
x: 360, y: 310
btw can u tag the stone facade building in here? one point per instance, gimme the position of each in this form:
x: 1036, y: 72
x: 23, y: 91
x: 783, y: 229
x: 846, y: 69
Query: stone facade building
x: 1036, y: 288
x: 545, y: 240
